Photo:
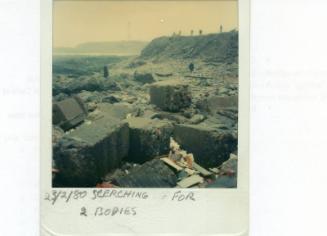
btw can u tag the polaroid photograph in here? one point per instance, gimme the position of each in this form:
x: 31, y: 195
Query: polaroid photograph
x: 145, y: 117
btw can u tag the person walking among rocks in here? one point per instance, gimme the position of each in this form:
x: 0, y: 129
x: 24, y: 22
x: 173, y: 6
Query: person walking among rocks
x: 105, y: 72
x: 191, y: 67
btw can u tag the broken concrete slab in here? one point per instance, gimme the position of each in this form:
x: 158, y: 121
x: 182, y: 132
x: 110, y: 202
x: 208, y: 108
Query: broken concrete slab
x: 111, y: 99
x: 197, y: 118
x: 190, y: 171
x: 190, y: 181
x: 163, y: 74
x: 202, y: 171
x: 170, y: 95
x: 171, y: 163
x: 214, y: 104
x: 88, y: 96
x: 144, y: 77
x: 69, y: 112
x: 169, y: 116
x: 210, y: 147
x: 86, y: 154
x: 117, y: 110
x: 148, y: 138
x: 152, y: 174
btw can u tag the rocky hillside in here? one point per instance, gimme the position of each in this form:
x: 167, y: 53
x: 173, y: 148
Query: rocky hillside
x: 222, y: 47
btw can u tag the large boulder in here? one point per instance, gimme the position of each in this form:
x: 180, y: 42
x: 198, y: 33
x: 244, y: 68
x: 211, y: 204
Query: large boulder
x: 69, y: 112
x: 209, y: 146
x: 148, y: 138
x: 170, y: 95
x: 86, y: 154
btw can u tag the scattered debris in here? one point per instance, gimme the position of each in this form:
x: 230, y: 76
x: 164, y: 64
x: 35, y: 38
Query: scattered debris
x: 180, y: 156
x: 171, y: 163
x: 202, y: 171
x: 214, y: 170
x: 190, y: 181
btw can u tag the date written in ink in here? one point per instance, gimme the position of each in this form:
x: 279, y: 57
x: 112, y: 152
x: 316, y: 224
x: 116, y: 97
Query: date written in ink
x: 66, y: 196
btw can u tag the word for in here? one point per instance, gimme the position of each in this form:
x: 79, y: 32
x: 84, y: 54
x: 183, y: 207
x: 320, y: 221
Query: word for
x: 179, y: 196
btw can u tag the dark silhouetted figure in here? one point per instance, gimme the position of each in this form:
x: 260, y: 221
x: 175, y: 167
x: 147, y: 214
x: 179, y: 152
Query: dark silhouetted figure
x: 200, y: 32
x: 105, y: 72
x: 221, y: 28
x: 191, y: 67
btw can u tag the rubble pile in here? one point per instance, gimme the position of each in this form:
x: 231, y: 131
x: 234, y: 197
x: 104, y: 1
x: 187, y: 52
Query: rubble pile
x: 149, y: 123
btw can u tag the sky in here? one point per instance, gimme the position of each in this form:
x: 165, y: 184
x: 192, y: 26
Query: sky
x: 76, y: 22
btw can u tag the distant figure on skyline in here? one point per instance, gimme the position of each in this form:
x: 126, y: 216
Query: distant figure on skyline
x: 200, y: 32
x: 221, y: 28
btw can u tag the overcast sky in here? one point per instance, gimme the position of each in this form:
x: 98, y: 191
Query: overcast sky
x: 76, y: 22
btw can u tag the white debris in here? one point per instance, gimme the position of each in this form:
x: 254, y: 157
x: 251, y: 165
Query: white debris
x: 190, y: 181
x: 180, y: 156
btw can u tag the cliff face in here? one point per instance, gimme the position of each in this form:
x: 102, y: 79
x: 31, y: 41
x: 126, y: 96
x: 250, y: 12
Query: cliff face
x: 221, y: 47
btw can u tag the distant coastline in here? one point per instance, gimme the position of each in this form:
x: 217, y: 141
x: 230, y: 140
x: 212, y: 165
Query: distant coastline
x: 92, y: 54
x: 120, y: 48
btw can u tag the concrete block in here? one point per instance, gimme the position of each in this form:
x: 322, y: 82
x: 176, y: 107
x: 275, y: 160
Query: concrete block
x: 170, y: 95
x: 69, y: 112
x: 148, y: 138
x: 89, y: 152
x: 209, y: 146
